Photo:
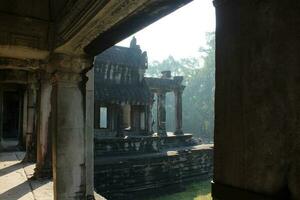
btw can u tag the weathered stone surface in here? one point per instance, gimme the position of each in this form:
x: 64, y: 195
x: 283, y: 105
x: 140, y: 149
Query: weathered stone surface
x: 257, y: 96
x: 130, y: 177
x: 68, y: 126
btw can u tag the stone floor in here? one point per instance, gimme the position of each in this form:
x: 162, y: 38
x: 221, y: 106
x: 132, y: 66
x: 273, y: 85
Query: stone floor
x: 15, y: 182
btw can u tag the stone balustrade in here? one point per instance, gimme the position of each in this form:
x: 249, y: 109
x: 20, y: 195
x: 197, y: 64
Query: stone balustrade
x: 140, y: 144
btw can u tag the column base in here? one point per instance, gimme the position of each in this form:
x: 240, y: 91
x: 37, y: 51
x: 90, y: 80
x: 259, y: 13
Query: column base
x: 90, y: 197
x: 162, y: 132
x: 43, y: 172
x: 29, y: 158
x: 178, y: 132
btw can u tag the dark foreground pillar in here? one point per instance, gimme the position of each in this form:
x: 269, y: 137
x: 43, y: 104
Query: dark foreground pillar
x: 257, y: 99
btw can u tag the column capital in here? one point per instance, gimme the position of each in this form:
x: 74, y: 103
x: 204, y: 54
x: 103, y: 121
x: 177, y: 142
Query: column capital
x: 67, y: 68
x: 179, y: 90
x: 68, y: 63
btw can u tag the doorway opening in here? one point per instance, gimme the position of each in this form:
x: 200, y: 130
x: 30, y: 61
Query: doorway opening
x: 11, y: 119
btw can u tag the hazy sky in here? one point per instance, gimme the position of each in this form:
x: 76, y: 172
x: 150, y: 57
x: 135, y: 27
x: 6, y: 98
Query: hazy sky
x: 179, y: 34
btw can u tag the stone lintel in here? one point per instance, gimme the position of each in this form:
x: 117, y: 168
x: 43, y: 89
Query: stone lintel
x: 99, y: 16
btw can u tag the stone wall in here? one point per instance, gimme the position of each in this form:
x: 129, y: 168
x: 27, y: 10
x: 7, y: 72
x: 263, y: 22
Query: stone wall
x: 134, y: 176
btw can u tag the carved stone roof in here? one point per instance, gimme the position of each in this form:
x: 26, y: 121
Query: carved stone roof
x: 123, y: 56
x: 135, y: 94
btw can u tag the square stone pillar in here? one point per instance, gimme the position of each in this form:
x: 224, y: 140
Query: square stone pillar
x: 31, y: 136
x: 150, y: 116
x: 161, y: 113
x: 1, y: 117
x: 178, y: 111
x: 72, y: 137
x: 44, y: 159
x: 22, y: 120
x: 89, y: 132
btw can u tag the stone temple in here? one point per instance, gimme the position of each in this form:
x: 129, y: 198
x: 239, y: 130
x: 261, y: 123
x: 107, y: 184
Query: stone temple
x: 130, y: 159
x: 47, y: 50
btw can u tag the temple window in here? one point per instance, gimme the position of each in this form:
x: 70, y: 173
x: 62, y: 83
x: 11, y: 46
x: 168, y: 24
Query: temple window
x: 103, y: 117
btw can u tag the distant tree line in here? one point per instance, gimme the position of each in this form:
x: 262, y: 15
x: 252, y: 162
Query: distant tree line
x: 198, y: 96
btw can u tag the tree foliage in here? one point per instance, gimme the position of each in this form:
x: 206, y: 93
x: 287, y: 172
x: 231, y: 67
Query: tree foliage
x: 198, y: 97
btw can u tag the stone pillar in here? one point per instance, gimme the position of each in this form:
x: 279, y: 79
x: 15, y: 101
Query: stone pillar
x: 89, y: 133
x: 161, y: 113
x: 1, y: 117
x: 257, y: 123
x: 119, y: 120
x: 149, y: 116
x: 70, y: 143
x: 31, y: 137
x: 44, y: 160
x: 24, y: 120
x: 178, y: 111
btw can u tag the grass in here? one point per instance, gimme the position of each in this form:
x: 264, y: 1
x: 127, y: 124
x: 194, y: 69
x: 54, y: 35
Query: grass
x: 195, y: 191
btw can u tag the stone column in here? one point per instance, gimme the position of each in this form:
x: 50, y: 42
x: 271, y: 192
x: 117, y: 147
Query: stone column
x: 89, y: 133
x: 44, y: 160
x: 1, y: 117
x: 161, y: 113
x: 149, y: 116
x: 120, y: 132
x: 178, y: 110
x: 70, y: 142
x: 24, y: 120
x: 31, y: 125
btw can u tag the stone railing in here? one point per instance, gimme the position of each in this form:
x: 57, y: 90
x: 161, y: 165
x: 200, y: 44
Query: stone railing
x: 140, y: 144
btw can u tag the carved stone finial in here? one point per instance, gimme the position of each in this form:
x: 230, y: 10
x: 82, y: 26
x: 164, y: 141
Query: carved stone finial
x: 133, y: 43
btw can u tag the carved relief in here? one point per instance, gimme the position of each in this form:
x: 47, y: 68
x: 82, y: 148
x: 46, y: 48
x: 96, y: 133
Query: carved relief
x: 12, y: 63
